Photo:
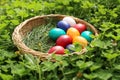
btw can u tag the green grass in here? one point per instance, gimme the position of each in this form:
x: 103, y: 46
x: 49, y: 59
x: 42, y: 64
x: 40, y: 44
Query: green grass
x: 101, y: 62
x: 38, y: 39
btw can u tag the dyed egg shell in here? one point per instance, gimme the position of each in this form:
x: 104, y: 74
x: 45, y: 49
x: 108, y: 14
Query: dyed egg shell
x: 80, y: 40
x: 87, y: 35
x: 56, y: 50
x: 80, y: 27
x: 55, y: 33
x: 69, y: 20
x: 63, y: 25
x: 70, y: 47
x: 72, y: 32
x: 64, y: 40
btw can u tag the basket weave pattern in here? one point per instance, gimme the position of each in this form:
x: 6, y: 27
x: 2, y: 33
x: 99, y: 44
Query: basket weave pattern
x: 21, y: 30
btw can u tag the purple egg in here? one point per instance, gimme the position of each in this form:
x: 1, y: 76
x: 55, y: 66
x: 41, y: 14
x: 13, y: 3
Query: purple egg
x: 63, y: 25
x: 70, y: 47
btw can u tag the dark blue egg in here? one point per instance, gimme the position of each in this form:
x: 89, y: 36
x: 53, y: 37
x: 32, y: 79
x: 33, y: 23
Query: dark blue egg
x: 63, y: 25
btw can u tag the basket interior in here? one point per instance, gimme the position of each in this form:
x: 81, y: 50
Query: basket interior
x: 32, y: 23
x: 37, y: 38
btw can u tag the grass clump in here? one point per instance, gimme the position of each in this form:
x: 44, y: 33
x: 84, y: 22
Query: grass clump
x: 38, y: 39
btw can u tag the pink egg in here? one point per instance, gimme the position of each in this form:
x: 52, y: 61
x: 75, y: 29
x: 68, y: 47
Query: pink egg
x: 56, y: 50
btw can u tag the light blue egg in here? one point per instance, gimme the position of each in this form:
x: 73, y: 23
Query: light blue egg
x: 87, y: 35
x: 55, y: 33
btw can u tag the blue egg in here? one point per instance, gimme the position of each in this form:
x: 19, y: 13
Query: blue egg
x: 87, y: 35
x: 55, y: 33
x: 70, y: 47
x: 63, y: 25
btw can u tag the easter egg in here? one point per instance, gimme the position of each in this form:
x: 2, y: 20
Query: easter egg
x: 69, y: 20
x: 80, y: 27
x: 55, y: 33
x: 82, y: 41
x: 56, y: 50
x: 64, y: 40
x: 63, y: 25
x: 70, y: 47
x: 87, y: 35
x: 72, y: 32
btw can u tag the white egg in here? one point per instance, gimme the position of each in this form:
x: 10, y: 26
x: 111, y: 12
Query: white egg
x: 69, y: 20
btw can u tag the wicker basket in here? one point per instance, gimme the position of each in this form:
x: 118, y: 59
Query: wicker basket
x: 21, y: 30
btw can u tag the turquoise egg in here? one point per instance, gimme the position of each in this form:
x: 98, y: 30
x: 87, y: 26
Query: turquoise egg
x: 55, y: 33
x: 87, y: 35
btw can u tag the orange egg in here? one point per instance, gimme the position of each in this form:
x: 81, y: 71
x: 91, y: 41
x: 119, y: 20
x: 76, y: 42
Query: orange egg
x: 72, y: 32
x: 80, y: 40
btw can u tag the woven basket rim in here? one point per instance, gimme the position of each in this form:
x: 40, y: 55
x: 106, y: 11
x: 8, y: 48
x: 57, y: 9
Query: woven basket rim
x: 17, y: 37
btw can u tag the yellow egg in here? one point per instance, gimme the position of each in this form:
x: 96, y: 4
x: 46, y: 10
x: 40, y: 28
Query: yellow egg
x: 80, y: 40
x: 72, y: 32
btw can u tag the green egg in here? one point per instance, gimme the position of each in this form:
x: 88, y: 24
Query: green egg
x: 55, y: 33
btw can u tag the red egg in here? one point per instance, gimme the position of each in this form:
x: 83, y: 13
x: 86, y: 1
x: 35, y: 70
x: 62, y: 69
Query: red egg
x: 80, y: 27
x: 56, y: 50
x: 64, y: 40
